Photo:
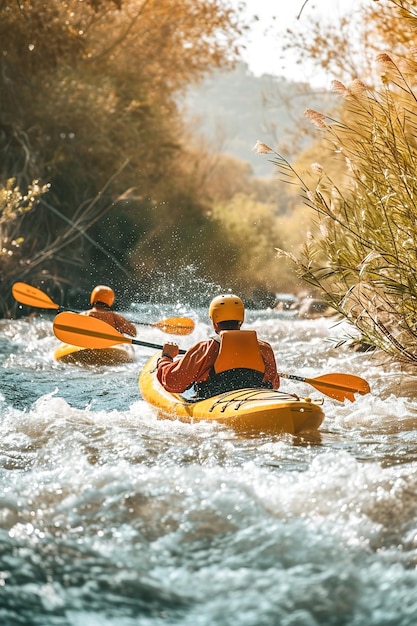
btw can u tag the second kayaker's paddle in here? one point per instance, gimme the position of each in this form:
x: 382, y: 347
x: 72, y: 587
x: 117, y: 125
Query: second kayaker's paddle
x: 89, y: 332
x: 36, y: 298
x: 33, y: 297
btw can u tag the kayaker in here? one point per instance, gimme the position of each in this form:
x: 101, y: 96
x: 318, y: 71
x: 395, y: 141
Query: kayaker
x: 101, y: 299
x: 234, y: 359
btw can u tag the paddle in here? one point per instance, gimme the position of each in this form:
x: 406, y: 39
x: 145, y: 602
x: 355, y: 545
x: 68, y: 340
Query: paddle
x: 89, y: 332
x: 338, y: 386
x: 34, y: 297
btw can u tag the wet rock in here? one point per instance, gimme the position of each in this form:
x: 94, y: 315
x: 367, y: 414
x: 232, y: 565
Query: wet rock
x: 311, y: 308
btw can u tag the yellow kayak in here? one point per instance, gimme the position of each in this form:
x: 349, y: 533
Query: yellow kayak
x: 244, y: 410
x: 115, y: 355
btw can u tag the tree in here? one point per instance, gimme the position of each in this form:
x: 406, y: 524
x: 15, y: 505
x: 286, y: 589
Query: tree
x: 89, y: 106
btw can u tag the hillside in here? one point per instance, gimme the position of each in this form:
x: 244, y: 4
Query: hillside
x: 233, y: 110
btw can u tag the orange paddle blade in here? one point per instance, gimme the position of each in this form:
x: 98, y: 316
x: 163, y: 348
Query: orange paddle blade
x: 89, y: 332
x: 337, y: 386
x: 175, y: 325
x: 340, y: 386
x: 32, y: 296
x: 86, y: 332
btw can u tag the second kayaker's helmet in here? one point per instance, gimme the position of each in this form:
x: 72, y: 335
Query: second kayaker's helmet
x: 104, y: 294
x: 226, y: 308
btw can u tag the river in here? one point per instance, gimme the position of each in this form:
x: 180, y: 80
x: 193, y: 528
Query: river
x: 110, y: 517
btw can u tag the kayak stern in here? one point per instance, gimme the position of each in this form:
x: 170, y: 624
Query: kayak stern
x: 115, y: 355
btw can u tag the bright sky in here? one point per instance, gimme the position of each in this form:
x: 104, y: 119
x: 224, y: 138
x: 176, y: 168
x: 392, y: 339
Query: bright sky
x: 264, y: 54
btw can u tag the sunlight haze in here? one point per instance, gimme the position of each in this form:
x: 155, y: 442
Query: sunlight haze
x: 264, y: 47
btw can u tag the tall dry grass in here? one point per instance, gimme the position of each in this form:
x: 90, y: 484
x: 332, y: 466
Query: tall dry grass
x: 364, y: 257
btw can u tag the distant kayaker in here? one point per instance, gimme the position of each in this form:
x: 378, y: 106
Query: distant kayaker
x: 233, y: 360
x: 102, y: 299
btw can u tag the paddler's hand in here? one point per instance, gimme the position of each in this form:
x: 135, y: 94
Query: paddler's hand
x: 170, y: 350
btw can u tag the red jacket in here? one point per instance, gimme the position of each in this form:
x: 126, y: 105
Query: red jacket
x: 195, y: 366
x: 114, y: 319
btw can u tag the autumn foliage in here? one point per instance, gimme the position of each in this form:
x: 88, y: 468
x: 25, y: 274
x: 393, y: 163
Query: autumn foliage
x: 89, y: 107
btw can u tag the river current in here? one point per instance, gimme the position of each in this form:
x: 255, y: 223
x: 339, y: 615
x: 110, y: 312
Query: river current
x: 110, y: 517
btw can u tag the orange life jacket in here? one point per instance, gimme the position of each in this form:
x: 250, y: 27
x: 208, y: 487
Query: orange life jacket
x: 239, y: 349
x: 239, y: 364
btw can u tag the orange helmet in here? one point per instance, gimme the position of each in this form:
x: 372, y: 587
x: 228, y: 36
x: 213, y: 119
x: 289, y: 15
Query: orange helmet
x: 226, y: 308
x: 101, y: 293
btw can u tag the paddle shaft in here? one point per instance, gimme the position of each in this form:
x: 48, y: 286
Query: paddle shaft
x: 148, y: 344
x: 34, y: 297
x: 292, y: 377
x: 90, y: 332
